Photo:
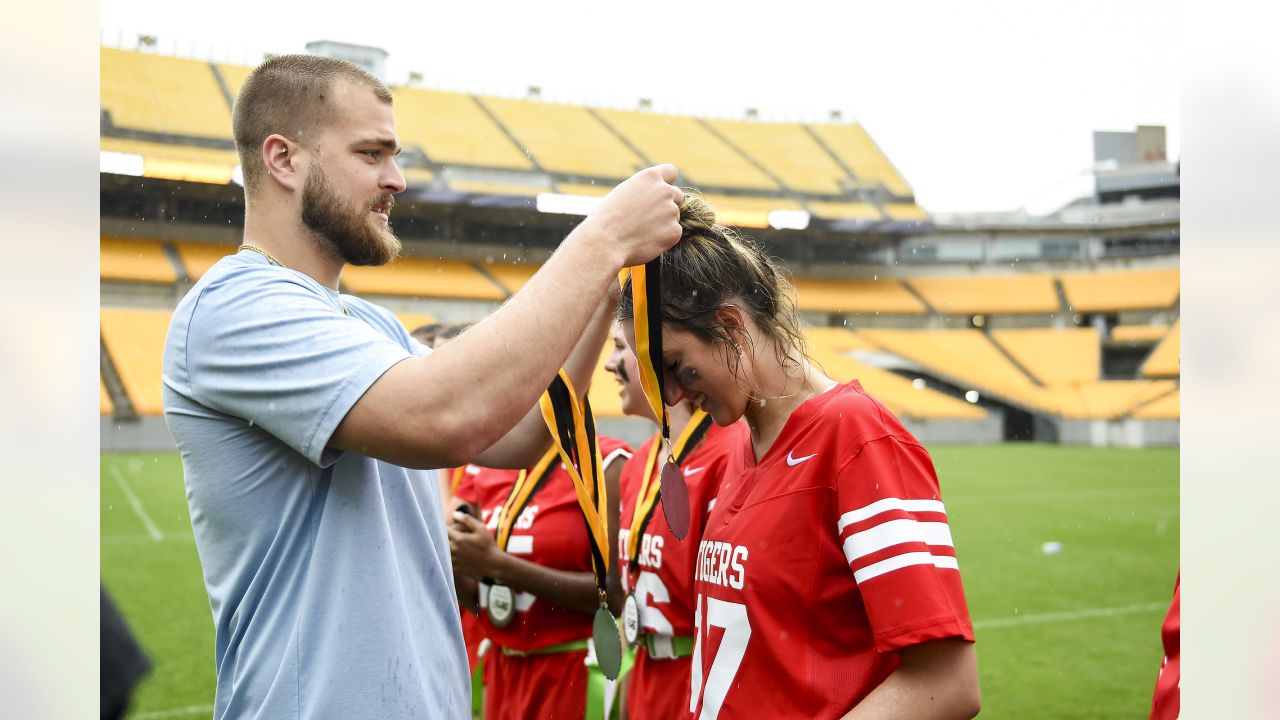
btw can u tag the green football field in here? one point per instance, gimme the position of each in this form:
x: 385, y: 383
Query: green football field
x: 1067, y: 634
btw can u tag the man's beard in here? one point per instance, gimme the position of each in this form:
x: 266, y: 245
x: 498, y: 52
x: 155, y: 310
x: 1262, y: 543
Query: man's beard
x: 342, y: 228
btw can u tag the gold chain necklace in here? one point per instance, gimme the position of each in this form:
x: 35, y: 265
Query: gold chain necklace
x: 276, y: 261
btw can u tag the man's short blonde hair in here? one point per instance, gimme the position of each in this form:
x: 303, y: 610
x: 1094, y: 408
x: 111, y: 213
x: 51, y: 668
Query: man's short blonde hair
x: 290, y: 95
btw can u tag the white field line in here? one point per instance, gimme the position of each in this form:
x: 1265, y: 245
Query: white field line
x: 176, y: 712
x: 152, y: 530
x: 1070, y: 615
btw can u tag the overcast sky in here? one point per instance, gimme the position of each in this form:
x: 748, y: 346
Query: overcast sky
x: 981, y: 105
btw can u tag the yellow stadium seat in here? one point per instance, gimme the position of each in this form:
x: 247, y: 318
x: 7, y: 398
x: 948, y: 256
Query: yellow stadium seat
x: 1166, y: 359
x: 422, y: 277
x: 1055, y: 356
x: 105, y: 406
x: 988, y: 294
x: 1139, y: 334
x: 856, y: 295
x: 702, y: 157
x: 489, y: 188
x: 135, y: 261
x: 134, y: 339
x: 844, y: 210
x: 143, y: 91
x: 416, y: 178
x: 565, y: 138
x: 452, y: 129
x: 746, y: 212
x: 905, y: 212
x: 414, y: 320
x: 859, y: 153
x: 234, y: 76
x: 584, y: 189
x: 177, y: 162
x: 603, y: 393
x: 1104, y: 399
x: 787, y: 151
x: 512, y: 276
x: 197, y: 258
x: 1103, y: 291
x: 1167, y: 407
x: 829, y: 347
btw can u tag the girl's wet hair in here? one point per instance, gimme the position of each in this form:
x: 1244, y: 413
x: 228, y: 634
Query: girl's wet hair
x: 712, y: 267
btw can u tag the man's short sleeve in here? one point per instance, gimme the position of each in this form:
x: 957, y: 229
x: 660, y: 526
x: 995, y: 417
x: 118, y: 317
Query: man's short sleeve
x: 893, y: 528
x: 274, y: 350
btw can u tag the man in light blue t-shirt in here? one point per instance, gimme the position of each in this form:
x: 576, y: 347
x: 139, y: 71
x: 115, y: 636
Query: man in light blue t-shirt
x: 308, y: 421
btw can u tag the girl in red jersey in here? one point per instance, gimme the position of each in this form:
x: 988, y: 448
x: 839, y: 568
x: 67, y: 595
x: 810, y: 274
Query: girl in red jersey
x: 656, y: 569
x: 826, y: 582
x: 536, y: 599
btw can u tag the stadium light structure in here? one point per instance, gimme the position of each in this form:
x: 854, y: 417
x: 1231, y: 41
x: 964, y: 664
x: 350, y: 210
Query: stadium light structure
x: 561, y: 204
x: 115, y: 163
x: 788, y: 219
x: 918, y: 383
x: 971, y: 396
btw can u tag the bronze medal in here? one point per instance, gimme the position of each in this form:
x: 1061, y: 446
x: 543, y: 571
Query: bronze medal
x: 675, y: 499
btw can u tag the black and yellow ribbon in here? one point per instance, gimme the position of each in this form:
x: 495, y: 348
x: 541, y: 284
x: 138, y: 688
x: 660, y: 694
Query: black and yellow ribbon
x: 650, y: 486
x: 573, y: 430
x: 646, y: 297
x: 527, y: 484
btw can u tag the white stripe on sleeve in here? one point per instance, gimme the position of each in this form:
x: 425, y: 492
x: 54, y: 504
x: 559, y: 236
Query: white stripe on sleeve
x: 898, y: 562
x: 887, y: 504
x: 896, y: 532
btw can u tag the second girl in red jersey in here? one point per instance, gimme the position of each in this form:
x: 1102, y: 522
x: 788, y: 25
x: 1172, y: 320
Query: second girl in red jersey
x: 826, y: 581
x: 536, y: 599
x: 656, y: 568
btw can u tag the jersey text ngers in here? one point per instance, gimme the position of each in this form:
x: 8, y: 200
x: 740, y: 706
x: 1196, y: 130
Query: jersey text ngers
x: 722, y: 564
x: 650, y: 555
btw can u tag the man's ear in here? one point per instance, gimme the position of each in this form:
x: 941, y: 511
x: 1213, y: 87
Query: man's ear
x: 281, y: 157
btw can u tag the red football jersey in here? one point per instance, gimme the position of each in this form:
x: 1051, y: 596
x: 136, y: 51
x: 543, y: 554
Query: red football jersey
x: 1166, y: 702
x: 818, y: 562
x: 659, y: 688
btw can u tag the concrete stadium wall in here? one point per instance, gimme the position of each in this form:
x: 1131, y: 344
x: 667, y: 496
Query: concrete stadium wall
x: 147, y: 434
x: 1119, y: 433
x: 952, y: 432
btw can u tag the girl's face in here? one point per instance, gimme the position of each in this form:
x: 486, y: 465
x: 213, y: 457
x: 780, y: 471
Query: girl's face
x: 623, y: 364
x: 703, y: 373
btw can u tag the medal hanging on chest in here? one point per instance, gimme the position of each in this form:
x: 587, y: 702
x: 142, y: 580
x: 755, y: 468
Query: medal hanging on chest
x: 573, y: 430
x: 500, y: 599
x: 646, y: 298
x: 631, y: 620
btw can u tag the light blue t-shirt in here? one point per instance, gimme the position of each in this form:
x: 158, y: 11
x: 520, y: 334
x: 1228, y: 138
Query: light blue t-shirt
x: 328, y: 573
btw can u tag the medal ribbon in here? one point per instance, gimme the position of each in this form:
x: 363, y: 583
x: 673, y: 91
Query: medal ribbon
x: 526, y: 486
x: 646, y: 499
x: 573, y: 428
x: 646, y: 297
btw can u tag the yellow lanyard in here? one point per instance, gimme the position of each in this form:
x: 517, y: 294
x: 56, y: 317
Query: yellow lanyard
x: 526, y: 485
x: 697, y: 428
x: 646, y: 290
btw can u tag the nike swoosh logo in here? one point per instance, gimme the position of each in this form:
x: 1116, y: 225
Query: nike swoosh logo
x: 693, y: 471
x: 794, y: 461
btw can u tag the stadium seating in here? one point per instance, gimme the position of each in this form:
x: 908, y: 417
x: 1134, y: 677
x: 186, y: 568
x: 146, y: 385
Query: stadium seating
x: 414, y: 320
x: 988, y: 294
x: 197, y: 258
x: 746, y: 212
x: 1109, y: 291
x: 1138, y: 334
x: 422, y: 277
x: 856, y: 295
x: 1103, y: 399
x: 1166, y: 358
x: 511, y: 276
x: 844, y: 210
x: 163, y: 94
x: 565, y: 138
x: 905, y: 212
x: 134, y: 340
x: 105, y: 406
x: 704, y: 159
x: 492, y: 188
x: 790, y: 153
x: 133, y: 260
x: 855, y: 148
x: 1166, y: 407
x: 829, y: 347
x: 177, y: 162
x: 1055, y: 356
x: 452, y: 129
x: 234, y: 77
